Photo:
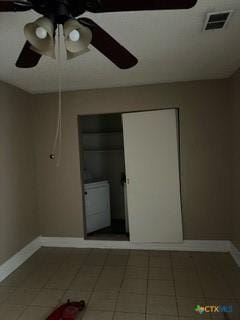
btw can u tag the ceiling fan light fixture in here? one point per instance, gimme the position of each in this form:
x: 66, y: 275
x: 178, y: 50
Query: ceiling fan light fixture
x: 74, y: 35
x: 40, y: 35
x: 77, y: 38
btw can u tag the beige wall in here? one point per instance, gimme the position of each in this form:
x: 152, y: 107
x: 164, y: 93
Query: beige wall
x: 18, y: 221
x: 205, y: 124
x: 236, y: 159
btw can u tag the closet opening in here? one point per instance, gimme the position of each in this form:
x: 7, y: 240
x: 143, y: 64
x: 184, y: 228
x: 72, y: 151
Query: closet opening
x: 103, y: 175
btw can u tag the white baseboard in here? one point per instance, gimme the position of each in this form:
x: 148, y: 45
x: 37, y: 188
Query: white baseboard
x: 187, y: 245
x: 19, y: 258
x: 235, y: 253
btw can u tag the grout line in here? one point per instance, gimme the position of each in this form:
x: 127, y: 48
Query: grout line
x: 65, y: 290
x: 98, y: 277
x: 119, y: 291
x: 39, y: 289
x: 22, y: 312
x: 234, y: 298
x: 108, y: 253
x: 200, y: 282
x: 174, y: 281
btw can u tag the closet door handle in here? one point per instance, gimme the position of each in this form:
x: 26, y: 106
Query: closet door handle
x: 85, y: 192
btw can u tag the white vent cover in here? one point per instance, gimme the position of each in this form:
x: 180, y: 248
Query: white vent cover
x: 217, y: 20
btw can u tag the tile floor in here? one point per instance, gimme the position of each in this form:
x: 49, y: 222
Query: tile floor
x: 122, y: 284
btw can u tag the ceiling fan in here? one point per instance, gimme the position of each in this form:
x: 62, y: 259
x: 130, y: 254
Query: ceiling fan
x: 79, y: 33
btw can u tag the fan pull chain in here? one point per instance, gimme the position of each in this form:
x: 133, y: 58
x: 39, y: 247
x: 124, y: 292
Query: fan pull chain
x: 58, y: 137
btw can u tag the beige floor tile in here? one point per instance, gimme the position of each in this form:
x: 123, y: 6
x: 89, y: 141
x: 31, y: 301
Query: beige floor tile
x: 211, y: 278
x: 48, y: 298
x: 16, y: 278
x: 113, y: 272
x: 98, y: 315
x: 76, y: 295
x: 185, y: 274
x: 128, y: 316
x: 96, y: 259
x: 224, y: 259
x: 36, y: 313
x: 77, y: 251
x: 203, y: 267
x: 186, y: 307
x: 37, y: 257
x: 22, y: 296
x: 107, y: 284
x: 193, y: 318
x: 67, y: 269
x: 160, y: 262
x: 39, y: 278
x: 133, y: 272
x: 62, y: 278
x: 161, y: 287
x: 102, y: 301
x: 160, y: 274
x: 131, y: 303
x: 188, y: 288
x: 182, y: 260
x: 162, y: 305
x: 57, y: 268
x: 116, y: 260
x: 5, y: 293
x: 159, y: 253
x: 100, y: 251
x: 235, y: 288
x: 221, y: 316
x: 56, y: 258
x: 59, y: 283
x: 90, y: 271
x: 217, y: 289
x: 230, y: 316
x: 10, y: 312
x: 46, y: 269
x: 134, y: 286
x: 138, y: 260
x: 83, y: 283
x: 139, y: 253
x: 119, y: 251
x: 75, y: 260
x: 76, y: 257
x: 232, y: 275
x: 160, y: 317
x: 27, y: 267
x: 181, y: 254
x: 204, y: 258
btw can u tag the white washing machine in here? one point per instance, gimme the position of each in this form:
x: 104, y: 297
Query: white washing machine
x: 97, y: 205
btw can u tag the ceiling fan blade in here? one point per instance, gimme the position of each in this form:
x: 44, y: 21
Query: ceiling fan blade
x: 28, y: 58
x: 6, y: 6
x: 137, y: 5
x: 108, y: 46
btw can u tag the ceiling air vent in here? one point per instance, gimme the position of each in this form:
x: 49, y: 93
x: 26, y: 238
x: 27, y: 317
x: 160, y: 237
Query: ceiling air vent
x: 217, y: 20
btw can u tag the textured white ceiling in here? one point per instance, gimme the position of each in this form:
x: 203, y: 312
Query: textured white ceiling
x: 170, y: 46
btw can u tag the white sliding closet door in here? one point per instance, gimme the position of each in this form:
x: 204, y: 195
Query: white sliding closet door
x: 152, y: 170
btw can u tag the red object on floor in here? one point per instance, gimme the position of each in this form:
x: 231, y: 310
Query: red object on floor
x: 67, y: 311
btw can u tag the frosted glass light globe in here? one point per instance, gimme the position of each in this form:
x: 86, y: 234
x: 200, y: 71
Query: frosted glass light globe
x: 74, y: 35
x: 41, y: 33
